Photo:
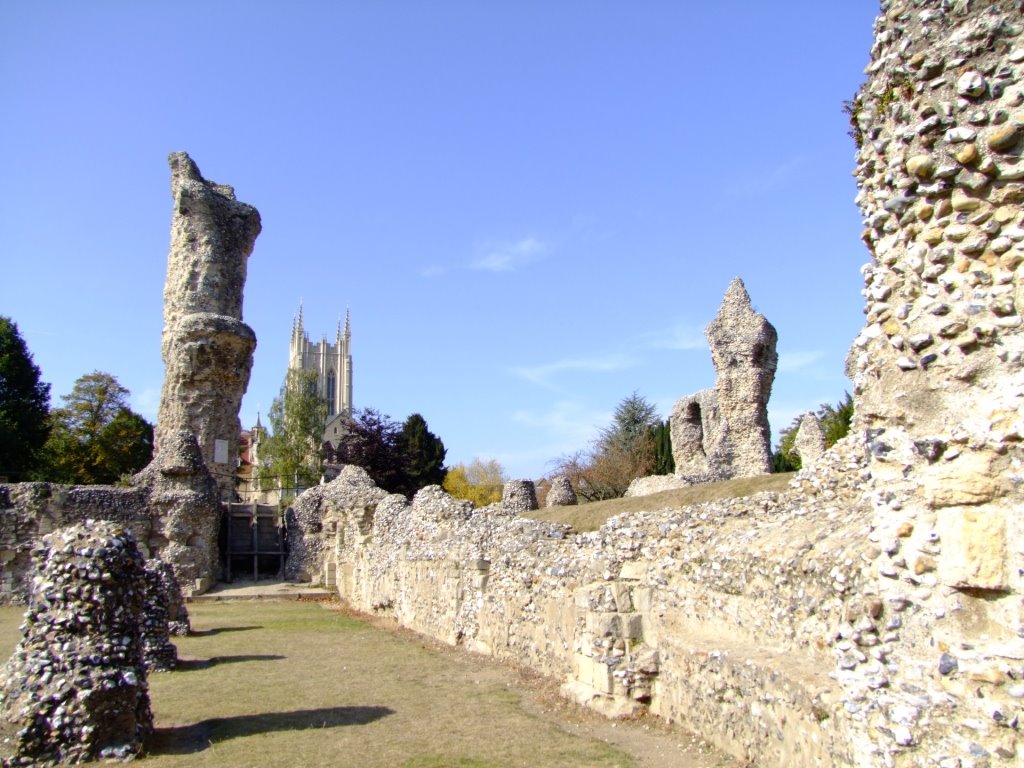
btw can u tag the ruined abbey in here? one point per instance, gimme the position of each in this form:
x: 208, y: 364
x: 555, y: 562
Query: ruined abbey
x: 872, y: 615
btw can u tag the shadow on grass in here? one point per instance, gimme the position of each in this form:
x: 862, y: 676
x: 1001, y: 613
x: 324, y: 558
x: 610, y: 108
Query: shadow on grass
x: 190, y: 665
x: 189, y: 739
x: 219, y: 630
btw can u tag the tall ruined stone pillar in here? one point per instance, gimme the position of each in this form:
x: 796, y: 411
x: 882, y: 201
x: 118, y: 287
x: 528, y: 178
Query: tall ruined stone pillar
x: 723, y: 432
x: 207, y: 349
x: 939, y: 368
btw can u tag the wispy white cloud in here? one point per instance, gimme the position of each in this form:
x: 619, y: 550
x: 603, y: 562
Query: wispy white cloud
x: 433, y: 270
x: 561, y: 428
x: 677, y: 337
x: 760, y: 182
x: 542, y: 374
x: 508, y: 257
x: 798, y: 359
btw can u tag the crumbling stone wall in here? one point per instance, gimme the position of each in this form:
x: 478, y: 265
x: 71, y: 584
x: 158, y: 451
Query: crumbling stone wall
x: 171, y: 509
x: 75, y: 688
x: 173, y: 505
x: 207, y: 349
x: 723, y: 432
x: 652, y: 611
x: 937, y: 369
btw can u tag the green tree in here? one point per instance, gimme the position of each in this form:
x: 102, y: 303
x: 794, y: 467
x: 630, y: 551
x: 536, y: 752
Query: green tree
x: 623, y: 451
x: 631, y: 425
x: 371, y: 440
x: 24, y: 405
x: 95, y: 437
x: 835, y: 425
x: 291, y: 452
x: 422, y: 454
x: 482, y: 481
x: 661, y: 437
x: 123, y: 446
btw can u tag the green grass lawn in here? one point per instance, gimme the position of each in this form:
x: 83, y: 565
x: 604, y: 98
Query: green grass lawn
x: 300, y: 684
x: 590, y: 517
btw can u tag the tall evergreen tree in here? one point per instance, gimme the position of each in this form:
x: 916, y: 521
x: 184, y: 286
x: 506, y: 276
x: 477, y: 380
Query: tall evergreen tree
x: 632, y: 422
x: 661, y: 436
x: 622, y: 452
x: 24, y: 405
x: 423, y: 454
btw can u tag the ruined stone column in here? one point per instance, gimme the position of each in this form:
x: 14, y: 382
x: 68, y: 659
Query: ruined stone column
x: 207, y: 349
x: 743, y: 350
x: 939, y: 368
x: 723, y: 432
x: 810, y: 440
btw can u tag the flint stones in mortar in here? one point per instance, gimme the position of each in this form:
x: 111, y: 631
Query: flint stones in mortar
x: 75, y: 687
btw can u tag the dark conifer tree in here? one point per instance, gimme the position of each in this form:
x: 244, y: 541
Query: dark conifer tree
x: 24, y: 405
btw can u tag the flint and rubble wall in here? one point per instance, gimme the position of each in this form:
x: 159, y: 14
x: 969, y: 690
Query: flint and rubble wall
x: 171, y: 509
x: 29, y: 511
x: 723, y: 616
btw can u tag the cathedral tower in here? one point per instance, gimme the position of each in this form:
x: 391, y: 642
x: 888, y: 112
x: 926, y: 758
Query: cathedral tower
x: 332, y: 364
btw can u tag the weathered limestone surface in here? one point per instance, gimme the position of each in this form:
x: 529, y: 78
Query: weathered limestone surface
x: 75, y: 688
x: 937, y: 370
x: 810, y: 440
x: 207, y: 349
x: 313, y: 520
x: 645, y: 486
x: 173, y: 506
x: 723, y: 432
x: 742, y: 345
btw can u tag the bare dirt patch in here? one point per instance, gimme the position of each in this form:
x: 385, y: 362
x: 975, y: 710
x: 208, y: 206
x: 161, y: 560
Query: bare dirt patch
x: 300, y: 684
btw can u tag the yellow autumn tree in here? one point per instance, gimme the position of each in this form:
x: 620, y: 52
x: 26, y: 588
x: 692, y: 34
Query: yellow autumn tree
x: 481, y: 481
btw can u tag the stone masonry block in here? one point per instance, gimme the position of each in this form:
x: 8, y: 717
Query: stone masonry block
x: 974, y: 551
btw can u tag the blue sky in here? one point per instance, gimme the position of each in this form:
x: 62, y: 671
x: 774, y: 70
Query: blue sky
x: 532, y: 209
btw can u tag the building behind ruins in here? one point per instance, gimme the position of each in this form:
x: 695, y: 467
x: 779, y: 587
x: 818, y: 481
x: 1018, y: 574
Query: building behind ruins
x: 332, y: 364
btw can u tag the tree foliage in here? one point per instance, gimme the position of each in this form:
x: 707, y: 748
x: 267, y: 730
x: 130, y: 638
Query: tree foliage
x: 95, y: 436
x: 423, y: 454
x: 398, y: 458
x: 835, y: 424
x: 623, y: 451
x: 664, y: 461
x: 24, y: 405
x: 631, y: 426
x: 371, y: 440
x: 482, y: 481
x: 291, y: 452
